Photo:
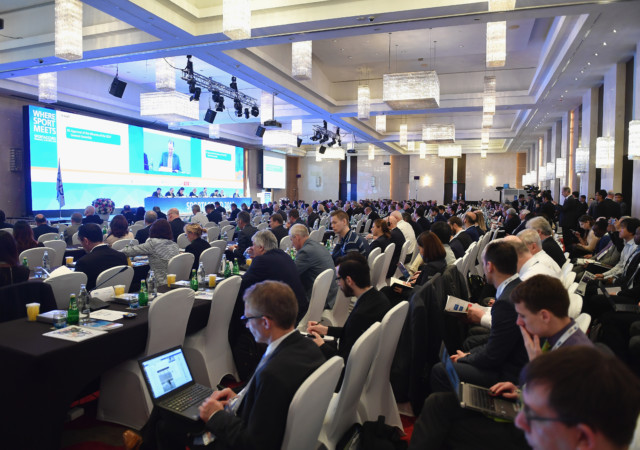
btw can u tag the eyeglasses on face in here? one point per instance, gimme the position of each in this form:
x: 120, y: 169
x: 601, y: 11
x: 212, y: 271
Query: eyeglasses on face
x: 245, y: 319
x: 530, y: 416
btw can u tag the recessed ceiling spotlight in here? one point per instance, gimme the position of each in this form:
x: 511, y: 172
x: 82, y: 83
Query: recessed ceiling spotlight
x: 595, y: 54
x: 588, y: 63
x: 566, y: 90
x: 582, y: 71
x: 341, y: 49
x: 460, y: 46
x: 615, y: 31
x: 575, y: 79
x: 350, y: 57
x: 604, y: 43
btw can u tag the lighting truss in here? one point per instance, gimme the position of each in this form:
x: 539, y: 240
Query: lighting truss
x: 439, y: 133
x: 322, y: 134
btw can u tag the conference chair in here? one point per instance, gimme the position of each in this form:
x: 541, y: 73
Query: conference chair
x: 388, y: 255
x: 139, y: 222
x: 322, y: 229
x: 319, y: 292
x: 208, y: 350
x: 583, y: 321
x: 183, y: 240
x: 228, y: 229
x: 343, y: 407
x: 568, y: 279
x: 210, y: 225
x: 263, y: 226
x: 213, y: 233
x: 223, y: 223
x: 60, y: 247
x: 367, y: 226
x: 315, y: 235
x: 48, y: 237
x: 309, y: 406
x: 403, y: 257
x: 373, y: 254
x: 210, y: 259
x: 375, y: 269
x: 61, y: 227
x: 119, y: 275
x: 64, y: 285
x: 377, y: 397
x: 181, y: 265
x: 34, y: 256
x: 337, y: 316
x: 285, y: 243
x: 575, y: 304
x: 316, y: 224
x: 135, y: 228
x: 124, y: 243
x: 123, y: 394
x: 75, y: 240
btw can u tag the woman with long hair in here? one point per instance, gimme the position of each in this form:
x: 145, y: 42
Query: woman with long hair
x: 23, y: 234
x: 119, y: 230
x: 381, y: 235
x: 11, y: 271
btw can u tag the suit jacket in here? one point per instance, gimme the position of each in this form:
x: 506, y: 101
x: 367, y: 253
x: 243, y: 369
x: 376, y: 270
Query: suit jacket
x: 311, y: 219
x: 311, y: 260
x: 43, y: 229
x: 97, y: 261
x: 279, y: 232
x: 424, y: 223
x: 143, y: 234
x: 569, y: 213
x: 396, y: 238
x: 465, y: 239
x: 233, y: 214
x: 214, y: 216
x: 196, y: 247
x: 456, y: 247
x: 608, y: 208
x: 504, y: 353
x: 92, y: 219
x: 370, y: 308
x: 244, y: 242
x: 175, y: 161
x: 262, y: 416
x: 552, y: 248
x: 381, y: 242
x: 474, y: 233
x: 511, y: 224
x: 177, y: 227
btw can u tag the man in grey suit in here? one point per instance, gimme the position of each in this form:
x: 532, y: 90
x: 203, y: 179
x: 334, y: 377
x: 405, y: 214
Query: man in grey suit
x: 311, y: 260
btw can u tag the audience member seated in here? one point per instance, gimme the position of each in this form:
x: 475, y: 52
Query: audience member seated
x: 549, y: 245
x: 407, y: 231
x: 416, y: 228
x: 398, y: 239
x: 170, y: 193
x: 42, y: 227
x: 528, y: 266
x: 504, y: 354
x: 157, y: 193
x: 349, y: 240
x: 212, y: 214
x: 532, y: 240
x: 269, y: 263
x: 193, y: 193
x: 380, y: 234
x: 198, y: 217
x: 586, y: 238
x: 220, y: 208
x: 233, y: 214
x: 140, y: 213
x: 159, y: 213
x: 119, y: 230
x: 256, y: 417
x: 159, y: 247
x: 76, y: 221
x: 371, y: 305
x: 3, y: 221
x: 180, y: 192
x: 236, y: 251
x: 312, y: 258
x: 128, y: 214
x: 143, y: 233
x: 512, y: 221
x: 542, y: 305
x: 175, y: 222
x: 312, y: 216
x: 90, y: 216
x: 276, y: 227
x: 443, y: 231
x: 11, y: 269
x: 421, y: 220
x: 197, y: 244
x: 99, y: 257
x: 23, y: 234
x: 293, y: 218
x: 471, y: 227
x: 524, y: 216
x: 433, y: 256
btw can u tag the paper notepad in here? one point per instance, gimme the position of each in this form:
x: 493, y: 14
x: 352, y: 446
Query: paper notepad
x: 107, y: 314
x: 74, y: 333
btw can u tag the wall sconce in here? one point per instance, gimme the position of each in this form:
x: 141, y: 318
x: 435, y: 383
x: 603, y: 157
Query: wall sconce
x: 490, y: 180
x: 426, y: 180
x: 373, y: 181
x: 318, y: 181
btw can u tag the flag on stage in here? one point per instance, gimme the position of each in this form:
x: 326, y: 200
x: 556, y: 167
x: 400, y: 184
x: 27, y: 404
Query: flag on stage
x: 59, y: 187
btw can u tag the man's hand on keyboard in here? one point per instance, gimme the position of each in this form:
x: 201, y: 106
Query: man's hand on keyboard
x: 504, y: 388
x: 215, y: 403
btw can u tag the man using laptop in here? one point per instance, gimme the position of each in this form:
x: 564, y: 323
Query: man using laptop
x: 542, y: 305
x: 256, y: 417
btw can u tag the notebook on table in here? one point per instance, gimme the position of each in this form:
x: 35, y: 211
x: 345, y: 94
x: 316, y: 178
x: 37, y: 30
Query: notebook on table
x: 170, y: 383
x: 618, y: 307
x: 477, y: 398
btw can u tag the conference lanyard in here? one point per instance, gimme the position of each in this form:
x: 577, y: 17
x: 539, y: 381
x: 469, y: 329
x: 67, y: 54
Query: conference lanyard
x: 566, y: 335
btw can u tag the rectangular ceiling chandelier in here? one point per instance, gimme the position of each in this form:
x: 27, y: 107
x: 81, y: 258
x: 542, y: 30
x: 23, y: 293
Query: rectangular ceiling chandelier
x: 364, y: 102
x: 496, y: 43
x: 165, y: 74
x: 439, y: 133
x: 484, y: 137
x: 335, y: 153
x: 501, y: 5
x: 411, y: 90
x: 582, y: 160
x: 411, y: 146
x: 48, y: 87
x: 279, y: 138
x: 423, y: 150
x: 381, y: 124
x: 296, y: 127
x: 372, y: 153
x: 449, y: 151
x: 483, y: 154
x: 214, y: 131
x: 604, y: 152
x: 68, y: 29
x: 489, y: 97
x: 236, y: 19
x: 266, y: 107
x: 634, y: 139
x: 487, y: 120
x: 403, y: 134
x: 561, y: 167
x: 551, y: 171
x: 169, y: 106
x: 301, y: 60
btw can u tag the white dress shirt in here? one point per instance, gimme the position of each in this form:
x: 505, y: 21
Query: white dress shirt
x: 628, y: 250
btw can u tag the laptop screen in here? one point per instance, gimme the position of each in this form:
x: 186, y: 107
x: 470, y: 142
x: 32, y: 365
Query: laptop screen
x: 451, y: 371
x: 166, y: 372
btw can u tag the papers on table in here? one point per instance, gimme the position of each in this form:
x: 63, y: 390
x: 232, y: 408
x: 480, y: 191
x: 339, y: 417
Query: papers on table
x: 101, y: 325
x: 104, y: 294
x: 47, y: 317
x: 207, y: 294
x: 182, y: 283
x: 324, y: 338
x: 75, y: 333
x: 62, y: 270
x: 107, y: 314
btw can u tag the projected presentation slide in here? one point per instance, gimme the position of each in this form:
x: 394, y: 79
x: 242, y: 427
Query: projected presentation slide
x: 105, y: 159
x: 274, y: 170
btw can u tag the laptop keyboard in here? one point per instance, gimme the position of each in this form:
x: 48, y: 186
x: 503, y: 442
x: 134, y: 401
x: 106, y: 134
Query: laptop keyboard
x: 192, y: 396
x: 482, y: 399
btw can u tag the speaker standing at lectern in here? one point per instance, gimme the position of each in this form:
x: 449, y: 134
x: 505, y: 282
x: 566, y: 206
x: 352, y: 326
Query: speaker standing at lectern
x: 170, y: 162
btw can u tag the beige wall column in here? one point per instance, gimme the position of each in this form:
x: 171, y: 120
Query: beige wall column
x: 399, y: 177
x: 555, y: 151
x: 613, y: 123
x: 635, y: 200
x: 588, y: 139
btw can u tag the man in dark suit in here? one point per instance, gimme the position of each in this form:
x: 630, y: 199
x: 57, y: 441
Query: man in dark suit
x: 312, y: 216
x: 212, y: 214
x: 234, y: 212
x: 459, y: 236
x: 90, y: 216
x: 159, y: 213
x: 606, y: 206
x: 421, y: 220
x: 549, y: 245
x: 371, y: 214
x: 504, y: 354
x: 244, y: 238
x: 276, y: 227
x: 143, y: 234
x: 99, y: 257
x: 269, y: 263
x: 170, y: 161
x: 293, y: 218
x: 471, y: 227
x: 3, y: 223
x: 220, y: 208
x: 512, y: 221
x: 569, y: 213
x: 157, y: 193
x: 177, y: 225
x: 42, y: 227
x: 371, y: 305
x: 256, y: 417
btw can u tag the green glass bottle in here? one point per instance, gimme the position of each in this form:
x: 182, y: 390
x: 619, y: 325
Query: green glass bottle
x: 143, y: 295
x: 194, y: 280
x: 227, y: 270
x: 25, y: 262
x: 236, y: 267
x: 73, y: 315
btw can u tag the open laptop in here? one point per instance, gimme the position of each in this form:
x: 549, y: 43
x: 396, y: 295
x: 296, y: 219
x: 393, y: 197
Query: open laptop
x: 618, y: 307
x: 582, y: 286
x: 475, y: 397
x: 170, y: 383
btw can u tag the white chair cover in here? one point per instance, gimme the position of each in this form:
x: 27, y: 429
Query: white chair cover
x: 285, y: 243
x: 403, y: 256
x: 34, y: 256
x: 376, y: 268
x: 263, y: 226
x: 575, y: 305
x: 48, y: 237
x: 122, y: 243
x: 568, y: 279
x: 139, y: 222
x: 222, y: 245
x: 125, y: 277
x: 583, y: 321
x: 210, y: 259
x: 388, y: 254
x: 60, y: 247
x: 75, y: 240
x: 183, y: 240
x: 213, y: 233
x: 65, y: 285
x: 210, y: 225
x: 181, y: 265
x: 208, y: 350
x: 304, y: 422
x: 372, y: 256
x: 321, y: 286
x: 337, y: 316
x: 135, y: 228
x: 316, y: 235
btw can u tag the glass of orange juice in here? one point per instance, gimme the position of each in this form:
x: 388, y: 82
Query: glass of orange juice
x: 171, y: 279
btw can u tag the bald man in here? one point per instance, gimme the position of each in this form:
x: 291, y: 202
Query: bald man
x: 471, y: 226
x: 90, y: 216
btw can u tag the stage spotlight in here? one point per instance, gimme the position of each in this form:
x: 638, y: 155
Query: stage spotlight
x: 220, y: 105
x: 324, y: 139
x: 233, y: 84
x: 339, y: 142
x: 196, y: 95
x: 246, y: 113
x: 192, y: 86
x: 338, y: 131
x: 215, y: 96
x: 324, y: 124
x: 189, y: 66
x: 299, y: 142
x: 322, y: 149
x: 210, y: 115
x: 255, y: 112
x: 332, y: 143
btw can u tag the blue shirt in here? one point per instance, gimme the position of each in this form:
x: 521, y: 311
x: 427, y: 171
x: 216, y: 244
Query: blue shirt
x: 352, y: 242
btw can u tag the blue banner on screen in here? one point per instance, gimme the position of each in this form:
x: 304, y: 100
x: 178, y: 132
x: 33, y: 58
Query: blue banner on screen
x: 105, y: 159
x: 274, y: 170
